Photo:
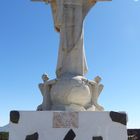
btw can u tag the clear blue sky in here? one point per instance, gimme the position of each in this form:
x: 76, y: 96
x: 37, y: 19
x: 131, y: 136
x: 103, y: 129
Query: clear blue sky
x: 29, y: 47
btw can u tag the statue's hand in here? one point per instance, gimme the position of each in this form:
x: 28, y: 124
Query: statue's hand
x: 39, y: 108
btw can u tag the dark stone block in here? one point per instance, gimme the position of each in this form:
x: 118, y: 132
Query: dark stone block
x: 32, y: 136
x: 97, y: 138
x: 133, y: 134
x: 70, y: 135
x: 119, y: 117
x: 14, y: 116
x: 4, y: 135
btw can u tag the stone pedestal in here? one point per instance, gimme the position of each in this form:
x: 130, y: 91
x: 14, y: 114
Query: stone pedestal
x: 50, y: 125
x: 70, y: 93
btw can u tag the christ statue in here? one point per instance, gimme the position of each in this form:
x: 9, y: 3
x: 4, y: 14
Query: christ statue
x: 70, y: 90
x: 68, y: 18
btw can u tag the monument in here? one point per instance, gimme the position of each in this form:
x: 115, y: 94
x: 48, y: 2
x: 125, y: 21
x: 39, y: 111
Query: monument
x: 70, y: 109
x: 70, y: 90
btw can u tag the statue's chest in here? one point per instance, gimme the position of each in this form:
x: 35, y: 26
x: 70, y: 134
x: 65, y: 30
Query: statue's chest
x: 70, y: 11
x: 74, y: 2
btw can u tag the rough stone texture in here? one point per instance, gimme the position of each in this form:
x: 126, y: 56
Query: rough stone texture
x: 14, y: 116
x: 65, y: 120
x: 133, y: 134
x: 70, y: 135
x: 4, y: 136
x: 118, y: 117
x: 32, y: 136
x: 97, y: 138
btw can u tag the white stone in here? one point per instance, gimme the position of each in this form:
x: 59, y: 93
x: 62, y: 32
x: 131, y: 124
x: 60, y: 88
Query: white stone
x: 55, y: 125
x: 68, y: 19
x: 70, y: 90
x: 71, y: 93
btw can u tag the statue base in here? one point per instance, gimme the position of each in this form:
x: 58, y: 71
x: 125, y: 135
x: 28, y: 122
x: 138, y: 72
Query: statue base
x: 64, y: 125
x: 70, y: 93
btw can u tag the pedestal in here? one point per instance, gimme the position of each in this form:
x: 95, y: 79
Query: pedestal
x: 51, y: 125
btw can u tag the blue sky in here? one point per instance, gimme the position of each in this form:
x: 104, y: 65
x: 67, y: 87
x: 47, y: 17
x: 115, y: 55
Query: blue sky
x: 29, y: 48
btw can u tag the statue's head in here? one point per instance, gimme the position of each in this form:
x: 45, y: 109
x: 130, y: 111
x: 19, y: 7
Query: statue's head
x: 45, y: 77
x: 97, y: 79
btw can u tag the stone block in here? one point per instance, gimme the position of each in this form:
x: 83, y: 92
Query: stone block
x: 65, y: 125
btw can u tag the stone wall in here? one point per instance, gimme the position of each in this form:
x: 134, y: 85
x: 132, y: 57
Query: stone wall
x: 56, y: 125
x: 133, y: 134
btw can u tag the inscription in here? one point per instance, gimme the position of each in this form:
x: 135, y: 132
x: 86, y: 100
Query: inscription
x: 65, y: 120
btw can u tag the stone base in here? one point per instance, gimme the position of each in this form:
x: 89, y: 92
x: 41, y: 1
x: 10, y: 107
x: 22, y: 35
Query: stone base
x: 50, y: 125
x: 70, y: 93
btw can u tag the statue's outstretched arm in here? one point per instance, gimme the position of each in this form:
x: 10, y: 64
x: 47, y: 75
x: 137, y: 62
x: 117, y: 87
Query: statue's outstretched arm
x: 88, y: 5
x: 54, y: 8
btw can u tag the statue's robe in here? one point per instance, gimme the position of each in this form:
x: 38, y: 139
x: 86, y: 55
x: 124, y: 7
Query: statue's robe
x: 68, y: 19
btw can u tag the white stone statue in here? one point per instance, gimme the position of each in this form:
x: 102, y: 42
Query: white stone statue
x: 96, y: 88
x: 70, y: 90
x: 45, y: 88
x: 45, y: 91
x: 68, y: 19
x: 71, y: 93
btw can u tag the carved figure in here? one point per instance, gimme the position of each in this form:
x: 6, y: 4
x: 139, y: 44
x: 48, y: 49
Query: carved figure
x: 96, y: 89
x: 45, y: 91
x: 45, y: 88
x: 68, y: 19
x: 70, y: 91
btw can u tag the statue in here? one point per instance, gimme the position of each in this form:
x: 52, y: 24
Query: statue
x: 45, y: 93
x: 96, y: 88
x: 80, y: 96
x: 45, y: 88
x: 70, y: 90
x: 68, y: 18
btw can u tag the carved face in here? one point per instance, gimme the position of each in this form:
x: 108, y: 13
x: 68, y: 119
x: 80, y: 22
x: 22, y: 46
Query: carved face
x: 97, y: 79
x: 45, y: 77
